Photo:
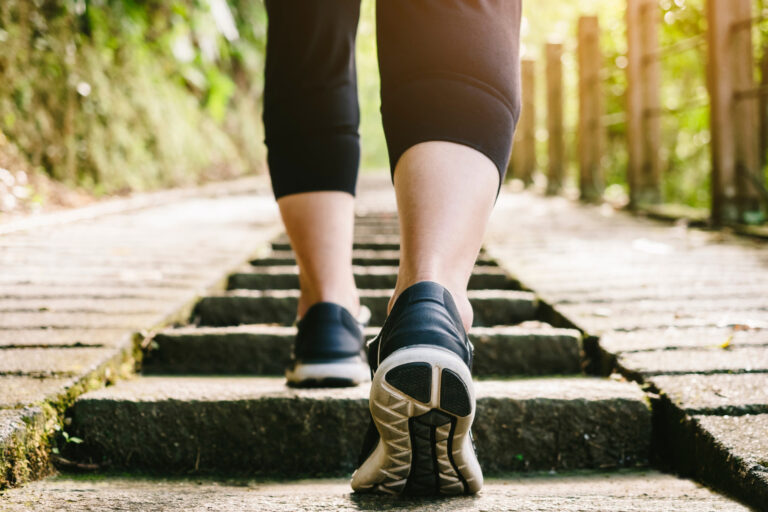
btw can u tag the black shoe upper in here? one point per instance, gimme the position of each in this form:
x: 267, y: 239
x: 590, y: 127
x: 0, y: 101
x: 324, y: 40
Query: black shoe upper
x: 327, y: 332
x: 424, y: 314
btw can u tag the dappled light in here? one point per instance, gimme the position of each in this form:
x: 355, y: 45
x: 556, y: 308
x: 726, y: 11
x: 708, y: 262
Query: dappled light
x: 217, y: 292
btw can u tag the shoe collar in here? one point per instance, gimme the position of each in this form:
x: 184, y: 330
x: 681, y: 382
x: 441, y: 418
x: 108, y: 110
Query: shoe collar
x: 423, y: 290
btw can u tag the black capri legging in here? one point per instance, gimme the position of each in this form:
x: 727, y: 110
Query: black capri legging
x: 449, y: 71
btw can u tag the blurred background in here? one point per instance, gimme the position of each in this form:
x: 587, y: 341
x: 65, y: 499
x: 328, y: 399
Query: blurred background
x: 106, y: 97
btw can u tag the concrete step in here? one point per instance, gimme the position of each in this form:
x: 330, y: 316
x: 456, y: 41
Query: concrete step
x: 265, y: 349
x: 631, y: 491
x: 256, y: 425
x: 370, y: 242
x: 366, y: 278
x: 491, y: 307
x: 359, y: 257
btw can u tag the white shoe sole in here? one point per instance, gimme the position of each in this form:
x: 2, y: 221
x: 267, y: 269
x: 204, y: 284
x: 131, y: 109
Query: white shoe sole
x: 348, y: 372
x: 423, y: 403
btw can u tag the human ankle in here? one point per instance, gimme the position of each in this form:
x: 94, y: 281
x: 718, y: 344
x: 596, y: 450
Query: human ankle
x: 350, y: 300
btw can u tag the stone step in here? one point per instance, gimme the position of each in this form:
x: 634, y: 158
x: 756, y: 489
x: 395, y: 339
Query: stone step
x: 381, y: 229
x: 377, y: 242
x: 376, y: 219
x: 265, y: 350
x: 587, y: 491
x: 359, y: 257
x: 256, y: 425
x: 372, y: 277
x: 491, y: 307
x: 365, y: 246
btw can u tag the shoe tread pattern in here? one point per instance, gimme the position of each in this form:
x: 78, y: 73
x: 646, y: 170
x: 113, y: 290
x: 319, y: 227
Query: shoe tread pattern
x: 413, y: 379
x: 454, y: 396
x: 432, y: 470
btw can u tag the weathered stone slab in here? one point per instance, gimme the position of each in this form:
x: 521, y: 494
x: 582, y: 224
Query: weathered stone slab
x: 98, y: 290
x: 744, y: 436
x: 366, y: 278
x: 374, y: 229
x: 52, y: 361
x: 628, y: 491
x: 491, y: 307
x: 17, y: 391
x: 265, y: 350
x: 601, y: 320
x: 686, y: 306
x: 628, y: 296
x: 76, y: 304
x: 66, y: 258
x: 595, y: 288
x: 359, y: 257
x: 114, y: 272
x: 544, y: 272
x: 373, y: 243
x: 257, y: 425
x: 524, y: 350
x: 62, y: 337
x: 363, y: 258
x: 728, y: 452
x: 375, y: 234
x: 676, y: 362
x: 243, y: 350
x: 671, y: 338
x: 721, y: 394
x: 82, y: 320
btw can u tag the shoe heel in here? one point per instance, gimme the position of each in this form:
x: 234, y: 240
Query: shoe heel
x: 422, y: 402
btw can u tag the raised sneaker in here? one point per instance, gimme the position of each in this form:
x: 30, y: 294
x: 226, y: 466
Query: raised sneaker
x: 329, y: 348
x: 422, y: 401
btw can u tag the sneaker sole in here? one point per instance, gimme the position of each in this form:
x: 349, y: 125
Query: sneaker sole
x: 422, y: 402
x: 331, y: 374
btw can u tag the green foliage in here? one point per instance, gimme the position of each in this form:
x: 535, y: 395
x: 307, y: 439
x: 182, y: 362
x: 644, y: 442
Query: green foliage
x: 132, y: 94
x: 686, y: 160
x: 374, y: 148
x: 685, y: 129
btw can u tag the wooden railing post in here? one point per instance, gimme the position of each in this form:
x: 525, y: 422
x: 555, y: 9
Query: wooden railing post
x: 643, y: 102
x: 524, y: 147
x: 734, y: 107
x: 590, y: 110
x: 763, y: 116
x: 556, y: 142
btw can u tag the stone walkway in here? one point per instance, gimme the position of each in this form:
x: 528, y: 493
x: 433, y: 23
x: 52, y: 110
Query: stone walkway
x: 682, y: 311
x: 76, y: 286
x: 625, y: 491
x: 677, y: 311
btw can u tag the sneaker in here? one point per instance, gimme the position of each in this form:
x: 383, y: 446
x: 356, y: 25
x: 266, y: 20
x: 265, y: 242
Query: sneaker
x: 329, y: 348
x: 422, y: 401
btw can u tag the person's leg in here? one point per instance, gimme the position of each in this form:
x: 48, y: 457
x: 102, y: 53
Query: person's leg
x: 450, y: 102
x: 450, y: 73
x: 311, y: 119
x: 320, y: 226
x: 445, y: 193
